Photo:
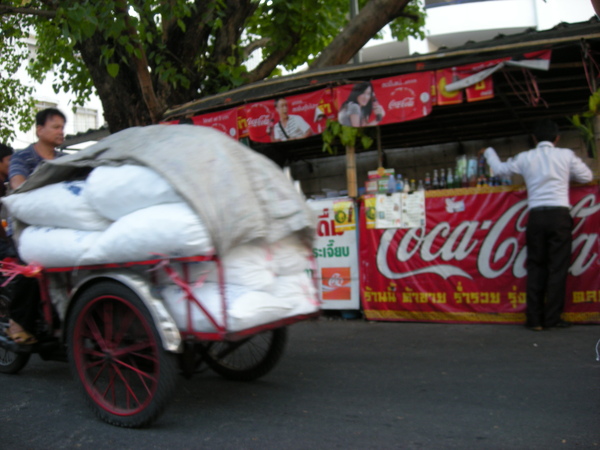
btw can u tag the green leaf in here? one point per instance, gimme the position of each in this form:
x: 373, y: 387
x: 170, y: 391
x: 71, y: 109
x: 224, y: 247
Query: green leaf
x: 113, y: 70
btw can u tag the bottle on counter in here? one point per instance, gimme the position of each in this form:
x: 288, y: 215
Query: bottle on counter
x: 413, y: 185
x: 421, y: 186
x: 427, y: 184
x: 443, y: 180
x: 406, y: 186
x: 391, y: 184
x: 399, y: 183
x: 435, y: 184
x: 449, y: 179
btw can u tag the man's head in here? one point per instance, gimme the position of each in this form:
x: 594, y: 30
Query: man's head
x: 545, y: 130
x: 5, y: 154
x: 281, y: 106
x: 50, y: 126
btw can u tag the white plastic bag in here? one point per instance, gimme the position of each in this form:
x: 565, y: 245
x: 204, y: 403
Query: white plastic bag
x: 171, y: 230
x: 62, y: 205
x: 117, y: 191
x: 55, y: 247
x: 248, y: 265
x: 245, y: 308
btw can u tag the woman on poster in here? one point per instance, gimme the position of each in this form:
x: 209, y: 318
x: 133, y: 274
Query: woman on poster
x: 360, y: 105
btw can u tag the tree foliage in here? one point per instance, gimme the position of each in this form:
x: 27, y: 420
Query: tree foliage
x: 143, y: 56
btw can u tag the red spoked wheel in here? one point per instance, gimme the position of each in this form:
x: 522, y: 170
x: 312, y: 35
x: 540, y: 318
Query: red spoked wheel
x: 116, y: 353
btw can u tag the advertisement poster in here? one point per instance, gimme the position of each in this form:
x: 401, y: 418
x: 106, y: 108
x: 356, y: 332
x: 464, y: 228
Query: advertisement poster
x: 224, y: 121
x: 468, y: 263
x: 386, y: 100
x: 290, y: 118
x: 336, y: 255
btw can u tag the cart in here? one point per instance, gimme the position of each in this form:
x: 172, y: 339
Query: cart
x: 110, y: 323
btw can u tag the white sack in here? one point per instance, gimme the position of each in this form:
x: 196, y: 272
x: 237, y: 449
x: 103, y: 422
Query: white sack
x: 117, y: 191
x: 290, y: 256
x: 60, y: 205
x: 55, y: 247
x: 171, y: 230
x: 245, y: 308
x: 248, y: 265
x: 297, y: 290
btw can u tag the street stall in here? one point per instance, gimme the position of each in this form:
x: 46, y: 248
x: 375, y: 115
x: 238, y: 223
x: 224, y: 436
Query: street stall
x: 467, y: 263
x: 456, y: 255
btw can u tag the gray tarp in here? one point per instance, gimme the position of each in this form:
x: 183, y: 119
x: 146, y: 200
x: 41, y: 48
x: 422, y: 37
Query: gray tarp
x: 239, y: 194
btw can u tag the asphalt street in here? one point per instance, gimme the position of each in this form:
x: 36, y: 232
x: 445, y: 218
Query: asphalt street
x: 349, y: 384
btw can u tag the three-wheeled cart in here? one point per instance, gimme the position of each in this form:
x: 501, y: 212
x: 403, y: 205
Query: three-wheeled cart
x: 111, y: 324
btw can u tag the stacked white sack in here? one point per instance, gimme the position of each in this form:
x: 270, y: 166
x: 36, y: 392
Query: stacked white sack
x: 62, y: 224
x: 135, y: 215
x: 264, y: 283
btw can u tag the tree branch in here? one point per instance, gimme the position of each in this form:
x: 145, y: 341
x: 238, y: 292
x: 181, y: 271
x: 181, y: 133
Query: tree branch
x: 254, y: 45
x: 141, y: 64
x: 6, y: 10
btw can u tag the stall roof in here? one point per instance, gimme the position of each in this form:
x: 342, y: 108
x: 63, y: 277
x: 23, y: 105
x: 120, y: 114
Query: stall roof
x: 563, y: 90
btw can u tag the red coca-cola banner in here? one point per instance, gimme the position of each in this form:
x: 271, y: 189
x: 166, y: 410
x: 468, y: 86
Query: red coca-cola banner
x: 224, y: 121
x: 386, y: 100
x: 288, y: 118
x: 468, y: 263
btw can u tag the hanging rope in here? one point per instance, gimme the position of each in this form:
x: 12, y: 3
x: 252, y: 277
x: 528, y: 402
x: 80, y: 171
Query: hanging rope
x: 589, y: 66
x: 527, y: 91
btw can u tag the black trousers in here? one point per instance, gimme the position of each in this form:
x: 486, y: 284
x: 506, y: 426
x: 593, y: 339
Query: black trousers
x: 549, y: 242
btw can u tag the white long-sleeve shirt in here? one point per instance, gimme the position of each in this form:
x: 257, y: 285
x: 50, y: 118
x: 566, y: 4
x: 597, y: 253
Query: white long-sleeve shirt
x: 547, y: 171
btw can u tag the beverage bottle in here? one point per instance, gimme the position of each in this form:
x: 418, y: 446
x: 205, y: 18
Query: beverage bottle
x: 465, y: 180
x: 427, y: 185
x: 442, y: 179
x: 391, y: 184
x: 413, y: 185
x: 399, y: 183
x: 436, y: 181
x: 449, y: 179
x: 406, y: 186
x: 421, y: 186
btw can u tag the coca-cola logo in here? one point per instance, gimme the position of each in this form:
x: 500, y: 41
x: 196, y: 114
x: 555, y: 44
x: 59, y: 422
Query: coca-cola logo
x: 261, y: 121
x: 407, y: 102
x: 498, y: 252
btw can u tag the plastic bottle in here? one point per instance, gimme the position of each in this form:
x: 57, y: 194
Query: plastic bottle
x: 421, y: 186
x: 413, y: 185
x: 399, y: 183
x: 391, y: 184
x: 442, y: 179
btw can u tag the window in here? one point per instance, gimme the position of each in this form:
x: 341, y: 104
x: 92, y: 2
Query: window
x: 85, y: 119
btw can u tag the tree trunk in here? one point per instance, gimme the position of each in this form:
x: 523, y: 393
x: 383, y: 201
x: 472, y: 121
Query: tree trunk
x: 121, y: 97
x: 372, y: 18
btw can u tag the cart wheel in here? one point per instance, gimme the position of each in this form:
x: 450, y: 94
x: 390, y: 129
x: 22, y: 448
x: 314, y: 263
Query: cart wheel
x: 247, y: 359
x: 116, y: 353
x: 10, y: 362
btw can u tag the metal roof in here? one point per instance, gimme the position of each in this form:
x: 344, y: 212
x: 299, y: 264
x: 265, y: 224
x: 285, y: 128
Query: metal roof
x: 563, y: 91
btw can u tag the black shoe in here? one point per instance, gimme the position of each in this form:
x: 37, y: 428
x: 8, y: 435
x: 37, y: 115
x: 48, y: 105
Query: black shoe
x: 560, y: 324
x: 534, y: 327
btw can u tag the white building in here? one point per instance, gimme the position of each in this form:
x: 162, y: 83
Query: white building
x: 452, y: 23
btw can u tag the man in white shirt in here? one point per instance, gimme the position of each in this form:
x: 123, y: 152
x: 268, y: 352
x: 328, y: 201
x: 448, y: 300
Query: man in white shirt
x: 547, y: 171
x: 289, y: 126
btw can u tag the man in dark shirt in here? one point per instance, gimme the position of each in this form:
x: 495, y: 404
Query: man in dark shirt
x: 50, y: 124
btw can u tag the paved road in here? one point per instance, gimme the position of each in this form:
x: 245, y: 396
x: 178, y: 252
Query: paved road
x: 351, y: 385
